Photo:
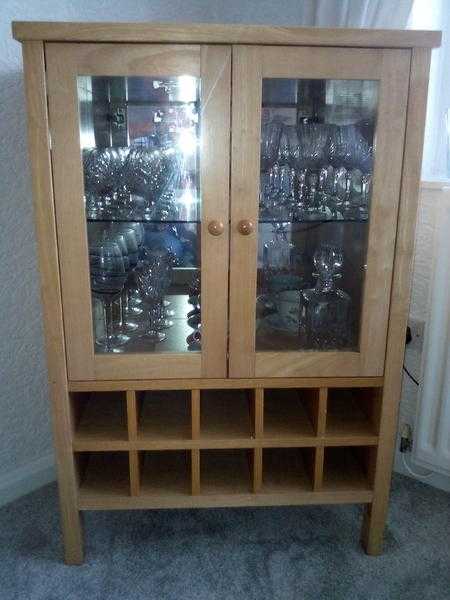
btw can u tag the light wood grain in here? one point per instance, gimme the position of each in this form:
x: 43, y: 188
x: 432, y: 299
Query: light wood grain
x: 315, y: 364
x: 135, y: 474
x: 148, y: 365
x: 96, y: 499
x: 132, y: 415
x: 257, y: 470
x: 222, y: 34
x: 195, y: 414
x: 215, y: 189
x: 315, y: 63
x: 322, y: 411
x: 318, y: 468
x: 375, y: 517
x: 195, y: 472
x: 259, y: 412
x: 246, y: 125
x: 180, y: 384
x: 151, y: 60
x: 44, y: 214
x: 294, y: 441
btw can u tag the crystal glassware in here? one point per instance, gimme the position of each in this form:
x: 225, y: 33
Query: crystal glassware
x: 270, y: 143
x: 108, y: 276
x: 147, y: 278
x: 325, y: 309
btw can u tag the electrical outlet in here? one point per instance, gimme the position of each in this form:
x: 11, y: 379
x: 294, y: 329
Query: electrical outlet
x: 417, y: 327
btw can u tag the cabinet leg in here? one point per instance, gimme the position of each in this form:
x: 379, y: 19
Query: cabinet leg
x: 72, y: 531
x: 373, y: 525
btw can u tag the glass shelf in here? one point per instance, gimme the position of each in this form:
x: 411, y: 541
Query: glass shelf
x: 143, y: 221
x: 310, y: 221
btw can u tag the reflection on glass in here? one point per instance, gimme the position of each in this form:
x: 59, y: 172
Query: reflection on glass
x: 317, y: 156
x: 139, y: 141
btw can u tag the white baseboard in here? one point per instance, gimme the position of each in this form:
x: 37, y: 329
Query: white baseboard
x: 435, y: 479
x: 26, y: 479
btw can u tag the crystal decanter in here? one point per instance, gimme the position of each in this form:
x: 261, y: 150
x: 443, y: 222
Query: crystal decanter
x: 325, y: 309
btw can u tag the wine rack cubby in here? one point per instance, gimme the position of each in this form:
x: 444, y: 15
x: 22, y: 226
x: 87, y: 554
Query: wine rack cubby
x: 170, y: 448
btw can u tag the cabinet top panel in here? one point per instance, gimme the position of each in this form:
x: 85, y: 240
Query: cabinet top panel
x: 221, y: 34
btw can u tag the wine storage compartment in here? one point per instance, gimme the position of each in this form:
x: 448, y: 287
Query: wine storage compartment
x: 226, y: 415
x: 164, y: 415
x: 165, y: 473
x: 353, y: 412
x: 225, y: 447
x: 99, y: 418
x: 103, y: 474
x: 225, y: 471
x: 288, y: 470
x: 348, y: 468
x: 290, y: 414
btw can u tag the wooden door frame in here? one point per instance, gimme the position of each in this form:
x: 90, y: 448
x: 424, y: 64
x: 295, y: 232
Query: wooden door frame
x: 213, y: 65
x: 250, y: 65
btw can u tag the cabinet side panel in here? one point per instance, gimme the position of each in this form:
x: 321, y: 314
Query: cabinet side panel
x: 400, y: 294
x: 39, y: 150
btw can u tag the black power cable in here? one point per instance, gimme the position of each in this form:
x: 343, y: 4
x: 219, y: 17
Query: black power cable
x: 410, y: 376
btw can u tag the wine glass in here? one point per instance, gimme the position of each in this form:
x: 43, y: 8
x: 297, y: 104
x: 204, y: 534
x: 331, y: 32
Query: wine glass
x: 128, y: 310
x: 148, y: 282
x: 313, y: 144
x: 270, y: 142
x: 108, y: 276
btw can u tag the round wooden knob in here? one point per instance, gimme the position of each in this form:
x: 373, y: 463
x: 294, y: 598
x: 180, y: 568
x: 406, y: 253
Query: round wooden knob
x: 245, y: 227
x: 215, y: 227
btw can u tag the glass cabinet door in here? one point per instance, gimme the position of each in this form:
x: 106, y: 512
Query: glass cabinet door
x: 136, y: 175
x: 317, y: 218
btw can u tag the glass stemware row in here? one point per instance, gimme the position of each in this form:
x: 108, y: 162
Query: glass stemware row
x: 131, y: 282
x: 310, y: 145
x: 308, y: 195
x: 315, y: 171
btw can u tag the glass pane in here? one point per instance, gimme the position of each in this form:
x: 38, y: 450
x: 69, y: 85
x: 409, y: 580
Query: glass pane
x: 140, y: 148
x: 317, y: 154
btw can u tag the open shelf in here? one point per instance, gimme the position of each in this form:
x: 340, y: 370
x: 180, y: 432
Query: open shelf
x: 353, y: 413
x: 287, y: 470
x: 99, y: 418
x: 225, y: 447
x: 165, y: 473
x: 225, y: 415
x: 103, y: 474
x: 288, y: 414
x: 347, y: 469
x: 225, y: 472
x: 164, y: 415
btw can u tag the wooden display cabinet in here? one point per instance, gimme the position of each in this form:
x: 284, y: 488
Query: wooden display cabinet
x: 269, y: 177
